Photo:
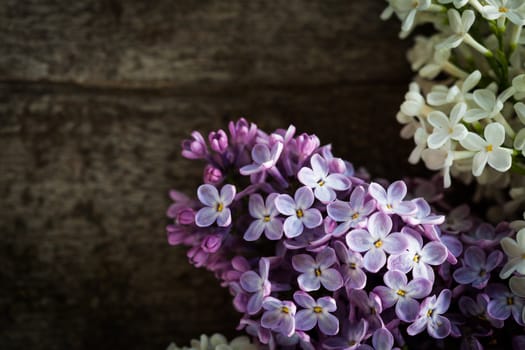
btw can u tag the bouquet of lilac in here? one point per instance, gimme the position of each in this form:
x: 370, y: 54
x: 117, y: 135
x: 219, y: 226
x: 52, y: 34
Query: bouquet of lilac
x: 317, y: 257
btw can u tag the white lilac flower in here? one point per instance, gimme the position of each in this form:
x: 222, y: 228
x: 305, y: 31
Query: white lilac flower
x: 266, y: 218
x: 513, y: 10
x: 414, y: 104
x: 420, y: 139
x: 440, y: 159
x: 411, y: 124
x: 323, y: 183
x: 376, y: 241
x: 518, y: 85
x: 216, y: 206
x: 517, y: 286
x: 460, y: 26
x: 351, y: 214
x: 407, y: 10
x: 217, y: 342
x: 446, y: 129
x: 489, y: 106
x: 488, y: 150
x: 519, y: 140
x: 430, y: 316
x: 457, y: 3
x: 515, y: 250
x: 437, y: 64
x: 316, y: 312
x: 442, y: 95
x: 298, y: 211
x: 422, y: 51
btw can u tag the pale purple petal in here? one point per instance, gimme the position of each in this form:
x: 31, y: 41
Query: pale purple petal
x: 407, y: 309
x: 319, y: 165
x: 250, y: 281
x: 418, y: 326
x: 305, y: 320
x: 293, y: 227
x: 465, y: 275
x: 271, y: 319
x: 331, y: 279
x: 342, y: 229
x: 274, y: 229
x: 443, y: 301
x: 419, y: 288
x: 206, y: 217
x: 285, y: 204
x: 339, y: 211
x: 312, y: 218
x: 395, y: 243
x: 402, y: 262
x: 357, y: 197
x: 255, y: 303
x: 379, y: 225
x: 498, y: 310
x: 308, y: 281
x: 208, y: 195
x: 264, y: 268
x: 307, y: 177
x: 474, y: 256
x: 356, y: 279
x: 374, y: 260
x: 256, y: 206
x: 325, y: 194
x: 377, y: 192
x: 227, y: 194
x: 493, y: 260
x: 304, y: 299
x: 271, y: 303
x: 359, y: 240
x: 440, y: 328
x: 422, y: 270
x: 338, y: 182
x: 304, y: 198
x: 270, y: 204
x: 303, y: 263
x: 327, y: 303
x: 326, y: 257
x: 328, y: 324
x: 396, y: 192
x: 405, y: 208
x: 260, y: 153
x: 387, y: 295
x: 395, y: 280
x: 287, y: 326
x: 250, y: 169
x: 225, y: 217
x: 382, y: 339
x: 434, y: 253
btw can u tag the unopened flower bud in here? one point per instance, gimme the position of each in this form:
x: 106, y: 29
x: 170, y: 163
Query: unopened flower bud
x: 212, y: 175
x: 218, y: 141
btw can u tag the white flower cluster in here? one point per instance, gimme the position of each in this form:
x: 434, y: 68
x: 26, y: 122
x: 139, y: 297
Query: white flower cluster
x: 217, y: 342
x: 465, y: 111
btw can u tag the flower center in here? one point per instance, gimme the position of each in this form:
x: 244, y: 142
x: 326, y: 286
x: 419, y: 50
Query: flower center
x: 317, y: 271
x: 389, y: 206
x: 503, y: 9
x: 299, y: 213
x: 352, y: 266
x: 219, y: 207
x: 355, y: 216
x: 266, y: 218
x: 352, y: 342
x: 489, y: 148
x: 285, y: 310
x: 415, y: 3
x: 430, y: 312
x: 318, y: 309
x: 416, y: 258
x: 450, y: 131
x: 510, y: 301
x: 321, y: 182
x: 482, y: 273
x: 378, y: 243
x: 401, y: 292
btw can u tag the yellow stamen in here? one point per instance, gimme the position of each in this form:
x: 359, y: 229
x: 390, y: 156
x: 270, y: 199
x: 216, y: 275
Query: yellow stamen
x: 416, y: 258
x: 401, y: 292
x: 503, y: 9
x: 219, y: 207
x: 430, y: 312
x: 317, y: 272
x: 482, y: 273
x: 318, y: 309
x: 510, y: 301
x: 352, y: 266
x: 266, y: 218
x: 321, y: 183
x: 378, y: 243
x: 355, y: 216
x: 285, y: 310
x: 389, y: 206
x: 489, y: 148
x: 299, y: 213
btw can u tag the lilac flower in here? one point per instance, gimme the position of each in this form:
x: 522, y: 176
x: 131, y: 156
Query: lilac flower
x: 515, y: 250
x: 391, y: 200
x: 486, y: 236
x: 382, y: 339
x: 257, y: 284
x: 316, y: 312
x: 218, y: 141
x: 504, y: 303
x: 305, y: 145
x: 477, y: 267
x: 318, y: 271
x: 324, y: 185
x: 457, y: 220
x: 423, y: 214
x: 352, y: 336
x: 403, y: 294
x: 264, y: 161
x: 313, y: 240
x: 298, y: 211
x: 418, y: 258
x: 376, y: 241
x: 369, y: 307
x: 212, y: 175
x: 430, y: 316
x: 216, y: 206
x: 194, y: 148
x: 353, y: 276
x: 266, y: 218
x: 351, y: 214
x: 478, y: 309
x: 242, y: 132
x: 279, y: 316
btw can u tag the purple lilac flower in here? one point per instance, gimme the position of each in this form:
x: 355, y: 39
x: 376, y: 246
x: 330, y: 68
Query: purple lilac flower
x: 299, y: 338
x: 318, y: 271
x: 264, y: 161
x: 430, y: 316
x: 391, y: 200
x: 503, y: 303
x: 266, y: 218
x: 324, y: 184
x: 423, y: 215
x: 298, y: 211
x: 376, y: 241
x: 478, y: 308
x: 279, y: 316
x: 313, y: 240
x: 218, y: 141
x: 352, y: 336
x: 305, y: 145
x: 402, y: 293
x: 477, y: 267
x: 216, y: 206
x: 316, y: 312
x: 418, y: 258
x: 194, y: 148
x: 382, y: 339
x: 369, y: 307
x: 242, y: 132
x: 212, y: 243
x: 257, y: 284
x: 486, y: 235
x: 457, y: 220
x: 353, y: 275
x: 351, y: 214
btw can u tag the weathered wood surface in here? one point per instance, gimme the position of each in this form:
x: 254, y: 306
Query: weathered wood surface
x: 95, y: 98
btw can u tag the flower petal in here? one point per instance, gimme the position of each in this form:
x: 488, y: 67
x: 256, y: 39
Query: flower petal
x: 256, y: 206
x: 274, y: 229
x: 254, y: 231
x: 379, y: 225
x: 208, y: 195
x: 312, y: 218
x: 374, y: 260
x: 304, y: 197
x: 331, y: 279
x: 224, y: 218
x: 303, y: 263
x: 396, y: 191
x: 328, y: 324
x: 377, y: 192
x: 260, y: 153
x: 440, y: 328
x: 407, y: 309
x: 206, y: 217
x: 382, y: 339
x: 227, y: 194
x: 465, y: 275
x: 359, y: 240
x: 308, y: 281
x: 325, y: 194
x: 339, y: 210
x: 500, y: 159
x: 304, y: 299
x: 478, y: 163
x: 307, y: 177
x: 387, y: 295
x: 285, y: 204
x: 394, y: 243
x: 255, y: 303
x: 419, y: 288
x: 326, y: 257
x: 319, y: 165
x: 434, y: 253
x: 418, y: 326
x: 305, y: 320
x: 338, y: 182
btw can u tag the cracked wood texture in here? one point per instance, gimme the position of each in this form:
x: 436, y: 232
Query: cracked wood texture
x: 95, y: 99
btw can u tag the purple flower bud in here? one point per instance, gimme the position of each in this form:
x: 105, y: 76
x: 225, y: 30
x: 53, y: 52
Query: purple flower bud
x: 194, y: 148
x: 242, y: 132
x: 197, y: 256
x: 306, y: 144
x: 212, y: 175
x: 185, y: 216
x: 336, y: 166
x: 211, y: 243
x: 218, y: 141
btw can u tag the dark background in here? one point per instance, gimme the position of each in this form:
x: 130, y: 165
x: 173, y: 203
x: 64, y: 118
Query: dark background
x: 95, y: 99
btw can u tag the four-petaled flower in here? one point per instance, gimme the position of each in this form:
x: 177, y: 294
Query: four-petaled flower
x: 391, y: 200
x: 216, y: 206
x: 279, y: 316
x: 446, y: 129
x: 503, y: 303
x: 376, y: 241
x: 266, y: 218
x: 402, y: 293
x: 430, y: 316
x: 351, y: 214
x: 324, y: 184
x: 353, y: 275
x: 257, y: 284
x: 477, y: 267
x: 298, y: 211
x: 352, y: 336
x: 513, y: 10
x: 515, y: 250
x: 318, y: 271
x: 316, y: 312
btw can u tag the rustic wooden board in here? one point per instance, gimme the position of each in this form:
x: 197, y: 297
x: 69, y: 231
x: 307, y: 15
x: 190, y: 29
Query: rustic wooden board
x: 95, y: 98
